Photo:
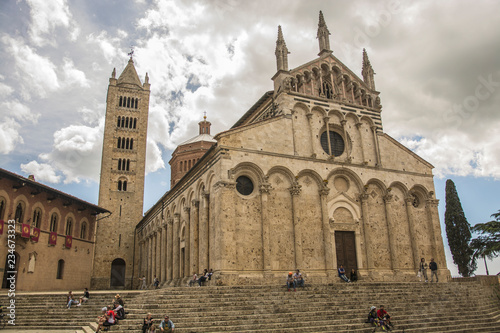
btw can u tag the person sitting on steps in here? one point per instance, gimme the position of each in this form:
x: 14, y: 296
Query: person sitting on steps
x: 384, y: 318
x: 299, y: 280
x: 342, y: 275
x: 354, y: 275
x: 85, y: 297
x: 107, y: 319
x: 193, y: 280
x: 290, y: 281
x: 203, y: 278
x: 148, y: 323
x: 373, y: 318
x: 70, y: 299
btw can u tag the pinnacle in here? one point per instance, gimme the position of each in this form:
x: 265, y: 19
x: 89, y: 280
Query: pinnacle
x: 322, y: 22
x: 366, y: 61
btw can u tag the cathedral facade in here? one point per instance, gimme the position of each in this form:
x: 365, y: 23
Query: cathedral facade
x: 305, y: 179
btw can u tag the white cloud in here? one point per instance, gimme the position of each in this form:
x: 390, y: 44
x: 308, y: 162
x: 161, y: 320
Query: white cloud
x: 5, y: 90
x: 73, y: 76
x: 13, y: 114
x: 37, y: 74
x: 42, y: 172
x: 154, y: 159
x: 46, y: 16
x: 76, y: 152
x: 110, y: 46
x: 9, y: 135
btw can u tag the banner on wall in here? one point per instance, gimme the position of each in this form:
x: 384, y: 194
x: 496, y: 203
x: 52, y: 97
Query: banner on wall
x: 53, y: 238
x: 35, y: 235
x: 25, y: 230
x: 68, y: 242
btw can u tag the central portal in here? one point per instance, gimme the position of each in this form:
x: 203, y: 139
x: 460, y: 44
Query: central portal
x: 345, y: 245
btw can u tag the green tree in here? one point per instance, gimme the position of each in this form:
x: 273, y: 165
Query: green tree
x: 487, y: 244
x: 458, y: 232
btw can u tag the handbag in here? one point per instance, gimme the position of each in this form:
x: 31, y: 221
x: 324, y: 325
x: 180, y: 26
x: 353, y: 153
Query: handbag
x: 419, y: 274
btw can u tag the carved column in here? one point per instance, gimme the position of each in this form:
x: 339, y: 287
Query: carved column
x: 326, y: 119
x: 158, y: 253
x: 194, y: 252
x: 431, y: 206
x: 358, y: 126
x: 204, y: 232
x: 368, y: 244
x: 170, y: 248
x: 265, y: 188
x: 187, y: 241
x: 391, y: 229
x: 344, y: 96
x: 297, y: 235
x: 343, y: 123
x: 175, y: 251
x: 413, y: 231
x: 309, y: 118
x: 164, y: 246
x: 327, y: 238
x: 375, y: 140
x: 151, y: 261
x: 322, y: 92
x: 155, y: 248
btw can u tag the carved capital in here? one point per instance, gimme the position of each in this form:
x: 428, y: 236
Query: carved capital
x: 205, y: 194
x: 388, y: 198
x: 374, y: 128
x: 343, y: 122
x: 309, y: 116
x: 177, y: 217
x: 432, y: 202
x: 170, y: 221
x: 225, y: 184
x: 195, y: 203
x: 295, y: 189
x: 265, y: 188
x: 187, y: 209
x: 363, y: 197
x: 326, y: 119
x: 324, y: 191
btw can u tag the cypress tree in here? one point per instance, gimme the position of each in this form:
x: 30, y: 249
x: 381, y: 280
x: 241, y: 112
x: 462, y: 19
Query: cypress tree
x: 458, y: 232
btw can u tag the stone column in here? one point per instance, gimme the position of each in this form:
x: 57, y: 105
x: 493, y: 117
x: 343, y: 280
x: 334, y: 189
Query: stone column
x: 154, y: 251
x: 295, y: 191
x: 358, y: 126
x: 344, y: 97
x: 265, y: 188
x: 204, y: 232
x: 164, y: 253
x: 158, y: 254
x: 326, y: 119
x: 194, y: 219
x: 343, y: 122
x: 391, y: 229
x: 313, y: 139
x: 375, y: 140
x: 412, y: 231
x: 431, y: 206
x: 170, y: 234
x: 223, y: 234
x: 187, y: 241
x: 322, y: 92
x: 327, y: 236
x: 175, y: 251
x: 364, y: 209
x: 151, y: 261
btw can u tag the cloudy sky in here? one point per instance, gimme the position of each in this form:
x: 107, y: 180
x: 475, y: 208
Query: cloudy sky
x: 437, y: 66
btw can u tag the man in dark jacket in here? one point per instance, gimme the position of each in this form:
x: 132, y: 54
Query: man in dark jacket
x: 434, y: 270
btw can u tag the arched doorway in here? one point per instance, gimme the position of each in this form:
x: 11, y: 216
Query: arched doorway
x: 118, y: 273
x: 9, y: 260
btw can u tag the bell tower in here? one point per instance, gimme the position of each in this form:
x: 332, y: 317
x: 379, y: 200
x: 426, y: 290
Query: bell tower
x: 121, y: 188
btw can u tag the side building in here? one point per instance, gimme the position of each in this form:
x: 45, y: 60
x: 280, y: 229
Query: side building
x: 306, y: 179
x: 121, y: 187
x: 54, y: 235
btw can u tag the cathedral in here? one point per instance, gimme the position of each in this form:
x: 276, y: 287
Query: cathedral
x: 305, y: 179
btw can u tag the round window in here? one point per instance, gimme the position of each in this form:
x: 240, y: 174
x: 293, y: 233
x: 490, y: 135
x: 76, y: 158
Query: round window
x: 336, y: 143
x: 244, y: 185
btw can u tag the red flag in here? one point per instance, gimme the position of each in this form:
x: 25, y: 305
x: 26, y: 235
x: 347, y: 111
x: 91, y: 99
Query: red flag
x: 25, y: 230
x: 68, y: 242
x: 36, y: 234
x: 53, y: 238
x: 1, y: 227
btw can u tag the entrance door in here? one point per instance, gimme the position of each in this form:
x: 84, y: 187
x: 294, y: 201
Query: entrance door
x: 346, y: 250
x: 8, y: 268
x: 118, y: 273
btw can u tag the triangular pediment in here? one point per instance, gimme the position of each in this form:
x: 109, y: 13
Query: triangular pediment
x: 129, y: 75
x: 330, y: 61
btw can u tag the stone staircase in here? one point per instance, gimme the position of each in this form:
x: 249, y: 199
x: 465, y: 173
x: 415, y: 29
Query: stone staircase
x: 414, y: 307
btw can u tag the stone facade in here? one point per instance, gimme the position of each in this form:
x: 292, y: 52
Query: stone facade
x: 305, y: 179
x: 41, y: 266
x: 121, y: 188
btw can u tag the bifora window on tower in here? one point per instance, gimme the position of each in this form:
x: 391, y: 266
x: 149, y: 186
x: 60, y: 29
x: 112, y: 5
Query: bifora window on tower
x: 336, y: 143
